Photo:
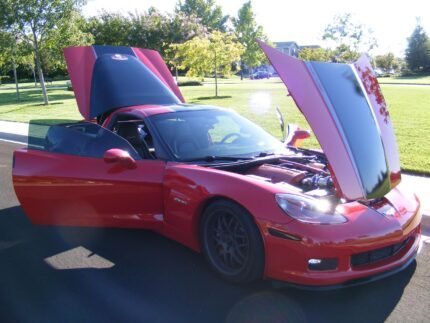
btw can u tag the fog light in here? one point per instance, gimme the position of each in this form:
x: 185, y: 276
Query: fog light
x: 322, y: 264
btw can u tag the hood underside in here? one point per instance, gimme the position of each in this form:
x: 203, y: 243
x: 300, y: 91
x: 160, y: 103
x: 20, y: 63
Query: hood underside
x: 105, y: 78
x: 346, y: 110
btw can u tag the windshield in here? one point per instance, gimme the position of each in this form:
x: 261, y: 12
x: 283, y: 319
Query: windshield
x: 193, y: 135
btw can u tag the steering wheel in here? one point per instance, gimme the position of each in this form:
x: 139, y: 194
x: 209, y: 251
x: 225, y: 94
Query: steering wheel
x: 230, y: 135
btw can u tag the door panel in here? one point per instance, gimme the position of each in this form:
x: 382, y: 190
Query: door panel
x: 59, y: 184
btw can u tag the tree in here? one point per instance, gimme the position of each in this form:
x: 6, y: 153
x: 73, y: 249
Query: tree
x: 210, y: 14
x: 348, y: 38
x: 418, y: 50
x: 315, y: 54
x: 8, y: 55
x: 344, y: 54
x: 247, y: 32
x: 181, y: 29
x: 206, y: 55
x: 150, y: 29
x: 387, y: 62
x: 109, y: 29
x: 69, y: 33
x: 35, y: 20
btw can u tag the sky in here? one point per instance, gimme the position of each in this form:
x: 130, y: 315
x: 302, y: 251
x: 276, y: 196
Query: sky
x: 392, y: 22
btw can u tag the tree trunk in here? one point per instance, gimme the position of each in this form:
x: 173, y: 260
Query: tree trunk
x: 241, y: 69
x: 176, y: 74
x: 16, y: 79
x: 216, y: 78
x: 34, y: 75
x: 39, y: 70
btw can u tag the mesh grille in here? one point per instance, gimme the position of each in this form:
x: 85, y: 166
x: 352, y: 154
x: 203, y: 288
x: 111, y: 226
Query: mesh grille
x: 369, y: 257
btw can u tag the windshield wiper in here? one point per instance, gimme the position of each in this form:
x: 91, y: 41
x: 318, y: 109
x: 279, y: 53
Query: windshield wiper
x: 264, y: 154
x: 217, y: 158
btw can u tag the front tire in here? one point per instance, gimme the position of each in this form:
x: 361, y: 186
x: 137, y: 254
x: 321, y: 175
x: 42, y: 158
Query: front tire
x: 231, y: 242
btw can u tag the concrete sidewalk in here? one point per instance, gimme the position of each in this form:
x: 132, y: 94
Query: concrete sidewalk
x: 17, y: 132
x: 14, y: 131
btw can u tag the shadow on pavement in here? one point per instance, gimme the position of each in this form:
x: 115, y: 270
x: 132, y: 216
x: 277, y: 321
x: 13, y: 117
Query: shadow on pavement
x: 156, y: 280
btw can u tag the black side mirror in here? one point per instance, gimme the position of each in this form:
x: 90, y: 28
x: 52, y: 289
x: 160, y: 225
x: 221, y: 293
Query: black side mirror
x: 281, y: 122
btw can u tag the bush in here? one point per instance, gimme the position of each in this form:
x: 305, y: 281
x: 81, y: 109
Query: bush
x: 190, y: 83
x: 5, y: 79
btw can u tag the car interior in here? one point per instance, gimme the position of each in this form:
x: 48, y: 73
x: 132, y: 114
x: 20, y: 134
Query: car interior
x: 136, y: 133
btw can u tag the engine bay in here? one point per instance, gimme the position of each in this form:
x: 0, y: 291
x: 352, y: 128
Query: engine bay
x: 305, y: 171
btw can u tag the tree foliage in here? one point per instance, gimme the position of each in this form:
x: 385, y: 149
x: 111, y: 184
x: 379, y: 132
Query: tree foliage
x: 150, y: 29
x: 247, y: 32
x: 315, y: 54
x: 7, y: 42
x: 348, y: 38
x: 418, y: 51
x: 36, y: 21
x: 387, y: 62
x: 207, y: 11
x: 209, y: 55
x: 109, y: 29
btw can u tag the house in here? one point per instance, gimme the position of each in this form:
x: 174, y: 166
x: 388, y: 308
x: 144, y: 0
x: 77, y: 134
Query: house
x: 288, y: 47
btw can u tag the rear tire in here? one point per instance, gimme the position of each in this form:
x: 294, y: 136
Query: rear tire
x: 231, y: 242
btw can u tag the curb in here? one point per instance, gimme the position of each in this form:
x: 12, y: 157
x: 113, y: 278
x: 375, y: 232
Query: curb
x: 13, y: 137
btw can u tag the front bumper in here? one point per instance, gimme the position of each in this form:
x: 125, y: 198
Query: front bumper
x: 351, y: 278
x: 367, y: 233
x: 349, y: 283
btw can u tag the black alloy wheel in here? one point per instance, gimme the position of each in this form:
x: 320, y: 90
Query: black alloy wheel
x: 231, y: 242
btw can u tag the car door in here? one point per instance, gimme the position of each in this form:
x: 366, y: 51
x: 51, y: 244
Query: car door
x: 82, y: 174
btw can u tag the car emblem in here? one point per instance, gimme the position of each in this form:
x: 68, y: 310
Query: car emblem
x: 119, y: 57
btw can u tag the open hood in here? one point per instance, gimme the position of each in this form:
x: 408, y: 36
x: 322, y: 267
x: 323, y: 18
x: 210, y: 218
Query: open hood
x: 346, y: 110
x: 105, y: 78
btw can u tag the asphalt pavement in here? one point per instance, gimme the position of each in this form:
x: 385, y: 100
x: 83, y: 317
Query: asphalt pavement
x: 69, y: 274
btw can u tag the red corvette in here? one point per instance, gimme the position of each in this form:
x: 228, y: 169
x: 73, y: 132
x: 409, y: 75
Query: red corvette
x: 219, y: 184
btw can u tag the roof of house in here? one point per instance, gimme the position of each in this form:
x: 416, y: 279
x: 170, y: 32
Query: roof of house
x: 285, y: 44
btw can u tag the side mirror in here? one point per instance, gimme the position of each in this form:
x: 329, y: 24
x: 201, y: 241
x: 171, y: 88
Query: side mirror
x: 281, y: 122
x: 119, y: 156
x: 296, y: 135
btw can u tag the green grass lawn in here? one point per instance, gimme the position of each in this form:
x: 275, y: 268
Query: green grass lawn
x: 406, y: 79
x: 409, y: 108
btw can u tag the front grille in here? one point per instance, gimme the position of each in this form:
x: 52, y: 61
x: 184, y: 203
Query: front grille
x: 369, y: 257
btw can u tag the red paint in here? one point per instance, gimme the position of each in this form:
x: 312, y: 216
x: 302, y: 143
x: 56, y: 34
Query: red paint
x: 170, y: 198
x: 155, y: 63
x: 80, y: 62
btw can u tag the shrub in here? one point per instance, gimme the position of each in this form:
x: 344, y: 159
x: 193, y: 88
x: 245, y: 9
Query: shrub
x: 190, y: 83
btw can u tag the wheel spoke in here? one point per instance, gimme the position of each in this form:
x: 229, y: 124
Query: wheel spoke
x: 230, y: 223
x: 238, y: 257
x: 232, y: 259
x: 229, y: 241
x: 224, y: 222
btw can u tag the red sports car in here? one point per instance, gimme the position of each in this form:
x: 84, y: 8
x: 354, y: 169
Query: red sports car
x: 219, y: 184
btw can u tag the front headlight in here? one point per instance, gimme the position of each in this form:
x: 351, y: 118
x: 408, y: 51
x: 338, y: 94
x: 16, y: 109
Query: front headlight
x: 309, y: 210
